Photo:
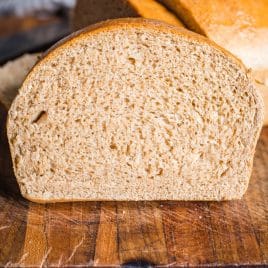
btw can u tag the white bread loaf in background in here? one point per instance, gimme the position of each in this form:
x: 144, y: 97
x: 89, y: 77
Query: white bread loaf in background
x: 87, y: 12
x: 12, y: 74
x: 135, y: 109
x: 240, y: 26
x: 261, y: 82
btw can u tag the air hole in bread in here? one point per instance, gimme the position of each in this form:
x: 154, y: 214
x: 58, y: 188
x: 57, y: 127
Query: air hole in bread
x: 224, y: 172
x: 40, y: 118
x: 128, y: 150
x: 103, y: 126
x: 160, y: 172
x: 113, y: 146
x: 132, y: 61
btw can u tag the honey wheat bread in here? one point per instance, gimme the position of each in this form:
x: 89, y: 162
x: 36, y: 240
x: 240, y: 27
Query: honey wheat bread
x: 134, y: 109
x: 87, y: 12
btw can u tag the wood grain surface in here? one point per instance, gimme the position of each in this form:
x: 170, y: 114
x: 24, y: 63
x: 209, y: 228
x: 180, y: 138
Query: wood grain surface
x: 140, y: 234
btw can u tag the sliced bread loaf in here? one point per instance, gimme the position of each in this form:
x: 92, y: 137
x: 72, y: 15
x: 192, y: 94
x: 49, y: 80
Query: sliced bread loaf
x: 87, y: 12
x: 135, y: 109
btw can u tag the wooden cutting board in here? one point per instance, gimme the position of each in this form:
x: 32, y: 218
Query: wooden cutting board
x: 136, y: 233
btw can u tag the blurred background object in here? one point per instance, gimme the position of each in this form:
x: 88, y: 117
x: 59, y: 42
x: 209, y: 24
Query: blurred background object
x: 32, y: 25
x: 26, y: 7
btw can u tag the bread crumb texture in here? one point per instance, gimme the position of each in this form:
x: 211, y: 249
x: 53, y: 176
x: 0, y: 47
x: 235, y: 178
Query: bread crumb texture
x: 134, y: 110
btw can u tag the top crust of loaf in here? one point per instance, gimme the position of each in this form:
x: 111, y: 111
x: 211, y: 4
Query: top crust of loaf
x: 157, y: 27
x: 239, y: 26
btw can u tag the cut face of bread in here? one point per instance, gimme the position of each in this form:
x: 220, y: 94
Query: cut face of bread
x: 133, y: 109
x: 87, y: 12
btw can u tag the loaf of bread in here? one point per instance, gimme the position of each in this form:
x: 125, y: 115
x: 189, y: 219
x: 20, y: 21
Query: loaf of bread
x: 135, y: 109
x: 240, y: 26
x: 87, y: 12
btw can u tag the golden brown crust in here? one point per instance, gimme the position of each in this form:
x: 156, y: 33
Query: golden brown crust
x: 239, y: 26
x: 132, y: 23
x: 150, y: 9
x: 184, y: 14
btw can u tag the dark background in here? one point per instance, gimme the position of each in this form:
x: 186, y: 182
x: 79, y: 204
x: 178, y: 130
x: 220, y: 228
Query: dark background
x: 32, y: 25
